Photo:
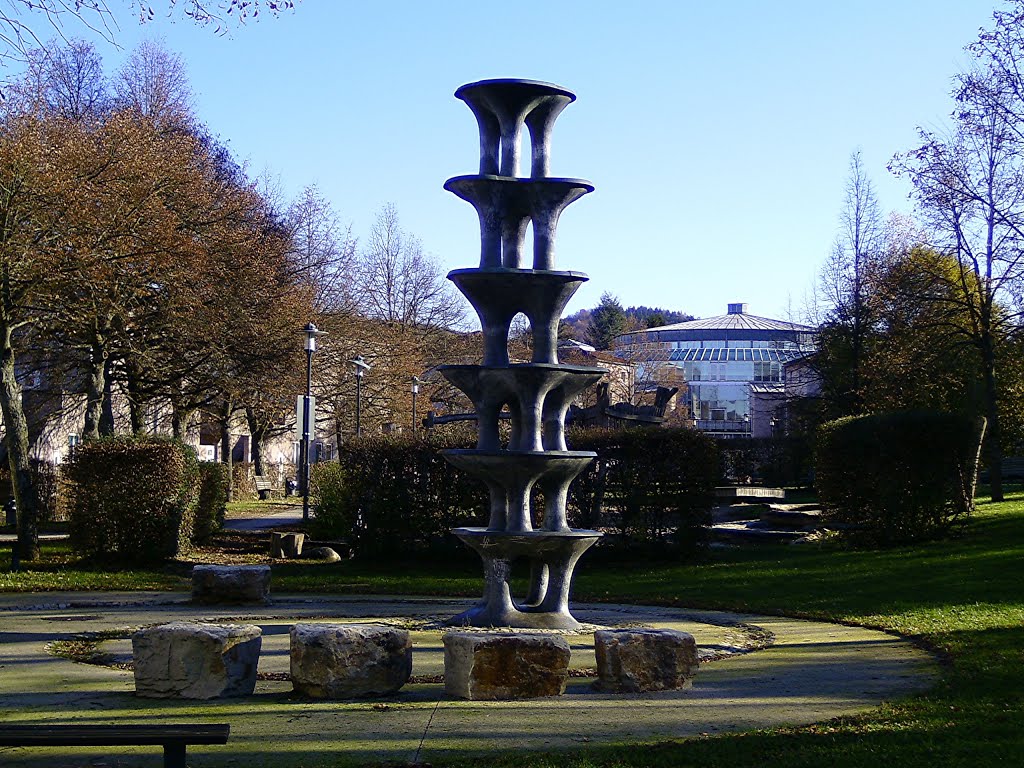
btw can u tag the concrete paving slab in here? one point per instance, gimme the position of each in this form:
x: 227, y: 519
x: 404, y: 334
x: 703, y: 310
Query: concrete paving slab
x: 809, y: 672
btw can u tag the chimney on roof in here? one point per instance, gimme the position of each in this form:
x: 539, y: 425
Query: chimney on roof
x: 737, y: 309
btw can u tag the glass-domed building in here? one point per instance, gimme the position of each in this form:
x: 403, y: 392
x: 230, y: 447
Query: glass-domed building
x: 732, y: 365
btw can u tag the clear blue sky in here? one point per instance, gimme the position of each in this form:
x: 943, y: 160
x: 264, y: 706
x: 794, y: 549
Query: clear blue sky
x: 717, y: 135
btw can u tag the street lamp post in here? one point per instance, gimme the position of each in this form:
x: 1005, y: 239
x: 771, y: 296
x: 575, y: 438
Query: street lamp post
x: 415, y: 391
x: 361, y: 368
x: 311, y: 332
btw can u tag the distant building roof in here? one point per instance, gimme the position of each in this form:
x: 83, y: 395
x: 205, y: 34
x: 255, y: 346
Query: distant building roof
x: 736, y: 324
x: 736, y: 319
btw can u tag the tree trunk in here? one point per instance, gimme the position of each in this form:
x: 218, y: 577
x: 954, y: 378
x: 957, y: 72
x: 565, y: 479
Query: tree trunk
x: 180, y: 418
x: 95, y: 387
x: 16, y: 439
x: 107, y: 410
x: 993, y: 432
x: 225, y: 444
x: 136, y: 401
x: 258, y: 434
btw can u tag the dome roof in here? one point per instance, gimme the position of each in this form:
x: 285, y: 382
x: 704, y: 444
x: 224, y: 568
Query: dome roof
x: 737, y: 319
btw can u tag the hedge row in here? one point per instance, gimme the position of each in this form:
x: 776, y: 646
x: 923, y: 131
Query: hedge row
x: 51, y: 486
x: 212, y: 502
x: 898, y: 477
x: 397, y: 493
x: 394, y: 493
x: 139, y: 500
x: 649, y: 485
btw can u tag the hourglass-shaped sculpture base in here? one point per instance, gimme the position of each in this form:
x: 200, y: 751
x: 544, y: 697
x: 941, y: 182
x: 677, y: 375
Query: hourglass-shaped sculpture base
x: 552, y: 557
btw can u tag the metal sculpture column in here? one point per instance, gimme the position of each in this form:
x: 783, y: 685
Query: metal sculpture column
x: 537, y: 394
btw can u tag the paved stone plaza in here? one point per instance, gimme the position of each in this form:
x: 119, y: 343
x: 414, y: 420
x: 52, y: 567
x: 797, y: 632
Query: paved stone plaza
x: 803, y: 672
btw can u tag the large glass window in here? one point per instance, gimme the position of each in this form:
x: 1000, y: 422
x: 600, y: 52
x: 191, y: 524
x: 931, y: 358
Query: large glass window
x: 767, y: 371
x: 721, y: 402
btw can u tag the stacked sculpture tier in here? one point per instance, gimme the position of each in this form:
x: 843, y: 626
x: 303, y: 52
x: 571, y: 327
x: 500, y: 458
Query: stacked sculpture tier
x: 536, y: 394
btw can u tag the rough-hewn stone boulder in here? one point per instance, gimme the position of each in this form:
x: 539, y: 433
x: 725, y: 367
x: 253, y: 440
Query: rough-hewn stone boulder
x: 285, y: 545
x: 188, y: 660
x: 231, y: 584
x: 323, y: 553
x: 636, y: 660
x: 345, y: 661
x: 507, y: 665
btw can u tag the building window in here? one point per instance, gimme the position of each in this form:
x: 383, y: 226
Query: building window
x: 766, y: 371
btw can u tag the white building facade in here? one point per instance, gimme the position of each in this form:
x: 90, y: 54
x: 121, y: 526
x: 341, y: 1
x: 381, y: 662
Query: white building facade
x: 733, y: 365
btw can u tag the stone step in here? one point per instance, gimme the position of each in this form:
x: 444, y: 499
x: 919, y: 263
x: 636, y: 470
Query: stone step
x: 733, y: 512
x: 752, y: 532
x: 801, y: 517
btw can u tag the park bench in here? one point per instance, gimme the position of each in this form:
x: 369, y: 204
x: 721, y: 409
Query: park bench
x: 173, y: 738
x: 263, y: 483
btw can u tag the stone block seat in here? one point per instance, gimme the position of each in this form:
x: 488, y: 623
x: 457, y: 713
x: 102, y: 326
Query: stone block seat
x: 504, y: 665
x: 640, y: 660
x: 191, y: 660
x: 236, y: 584
x: 347, y: 661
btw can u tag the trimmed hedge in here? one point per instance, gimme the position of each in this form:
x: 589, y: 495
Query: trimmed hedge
x: 898, y: 477
x: 213, y: 499
x: 134, y: 498
x: 52, y: 489
x: 397, y: 493
x: 654, y: 485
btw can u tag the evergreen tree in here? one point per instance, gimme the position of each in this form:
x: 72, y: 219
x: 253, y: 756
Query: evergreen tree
x: 607, y: 321
x: 655, y: 320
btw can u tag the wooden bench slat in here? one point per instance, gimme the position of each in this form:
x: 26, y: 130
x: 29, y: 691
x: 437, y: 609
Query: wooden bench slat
x: 111, y: 735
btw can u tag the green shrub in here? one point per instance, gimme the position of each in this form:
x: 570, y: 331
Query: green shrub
x: 213, y: 498
x: 243, y: 481
x: 134, y: 498
x: 898, y: 477
x: 395, y: 493
x: 655, y: 485
x: 52, y: 490
x: 334, y: 502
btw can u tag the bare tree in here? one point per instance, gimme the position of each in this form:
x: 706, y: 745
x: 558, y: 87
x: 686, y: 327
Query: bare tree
x: 64, y: 81
x: 969, y: 184
x: 324, y: 251
x: 401, y: 284
x: 22, y: 22
x: 846, y: 289
x: 154, y: 82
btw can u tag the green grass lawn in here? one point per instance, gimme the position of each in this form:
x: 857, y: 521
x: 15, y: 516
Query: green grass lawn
x: 962, y: 598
